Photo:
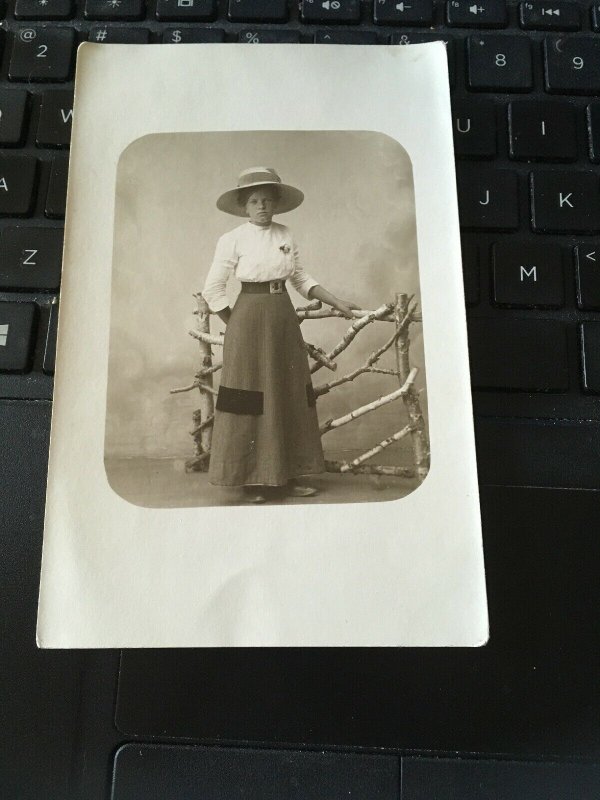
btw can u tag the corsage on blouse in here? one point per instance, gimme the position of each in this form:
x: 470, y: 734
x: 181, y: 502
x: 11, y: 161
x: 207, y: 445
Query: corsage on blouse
x: 255, y: 254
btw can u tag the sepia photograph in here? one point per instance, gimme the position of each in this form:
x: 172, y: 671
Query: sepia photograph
x: 266, y: 331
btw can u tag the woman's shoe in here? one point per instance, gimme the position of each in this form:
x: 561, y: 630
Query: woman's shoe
x: 297, y: 490
x: 254, y: 495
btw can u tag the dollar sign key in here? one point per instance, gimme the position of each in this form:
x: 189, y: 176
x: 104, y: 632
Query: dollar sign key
x: 176, y: 37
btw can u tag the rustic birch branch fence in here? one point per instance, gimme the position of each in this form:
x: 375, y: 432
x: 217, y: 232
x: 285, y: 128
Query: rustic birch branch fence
x: 401, y: 313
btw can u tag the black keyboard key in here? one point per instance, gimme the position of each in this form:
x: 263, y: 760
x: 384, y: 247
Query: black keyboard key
x: 542, y: 131
x: 590, y: 356
x: 56, y: 116
x: 113, y: 35
x: 42, y: 54
x: 192, y: 35
x: 13, y: 107
x: 342, y: 11
x: 413, y: 12
x: 258, y: 10
x: 43, y: 9
x: 345, y: 37
x: 188, y: 10
x: 593, y: 125
x: 482, y: 14
x: 488, y: 198
x: 572, y: 64
x: 50, y: 345
x: 499, y: 63
x: 56, y: 199
x: 527, y: 275
x: 518, y: 355
x: 17, y: 184
x: 549, y: 16
x: 474, y: 127
x: 269, y: 36
x: 17, y: 330
x: 587, y: 261
x: 470, y: 262
x: 30, y: 258
x: 565, y: 202
x: 115, y: 9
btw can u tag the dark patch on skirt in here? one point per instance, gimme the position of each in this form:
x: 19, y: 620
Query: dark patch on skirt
x: 240, y: 401
x: 311, y: 397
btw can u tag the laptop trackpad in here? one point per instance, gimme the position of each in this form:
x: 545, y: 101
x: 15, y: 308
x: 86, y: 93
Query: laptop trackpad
x: 215, y: 773
x: 533, y: 690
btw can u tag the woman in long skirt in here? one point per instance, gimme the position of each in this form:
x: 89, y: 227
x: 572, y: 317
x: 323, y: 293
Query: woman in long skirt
x: 266, y: 432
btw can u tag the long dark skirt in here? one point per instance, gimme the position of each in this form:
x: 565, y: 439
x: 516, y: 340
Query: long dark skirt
x: 266, y: 430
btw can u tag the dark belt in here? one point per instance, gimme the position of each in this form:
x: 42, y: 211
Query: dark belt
x: 264, y: 287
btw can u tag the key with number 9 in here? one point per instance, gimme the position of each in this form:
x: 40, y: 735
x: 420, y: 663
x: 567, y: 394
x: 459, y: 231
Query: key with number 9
x: 572, y: 64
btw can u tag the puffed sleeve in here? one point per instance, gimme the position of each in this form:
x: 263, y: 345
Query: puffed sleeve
x: 224, y: 262
x: 300, y: 279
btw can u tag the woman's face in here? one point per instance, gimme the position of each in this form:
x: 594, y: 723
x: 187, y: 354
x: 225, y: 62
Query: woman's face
x: 260, y: 206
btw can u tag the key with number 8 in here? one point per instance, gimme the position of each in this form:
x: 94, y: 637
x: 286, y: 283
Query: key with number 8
x: 572, y: 64
x: 41, y: 54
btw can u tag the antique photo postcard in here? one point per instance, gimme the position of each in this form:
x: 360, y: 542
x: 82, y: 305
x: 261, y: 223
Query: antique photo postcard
x: 262, y: 430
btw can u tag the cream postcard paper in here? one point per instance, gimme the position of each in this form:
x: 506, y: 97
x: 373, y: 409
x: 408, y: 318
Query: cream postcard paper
x: 262, y: 429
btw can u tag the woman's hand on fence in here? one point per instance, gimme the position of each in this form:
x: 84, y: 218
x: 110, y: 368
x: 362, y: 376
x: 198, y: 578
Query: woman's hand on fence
x: 319, y: 292
x: 345, y: 307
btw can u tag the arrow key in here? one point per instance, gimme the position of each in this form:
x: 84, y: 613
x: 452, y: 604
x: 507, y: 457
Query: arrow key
x: 587, y: 263
x: 549, y: 16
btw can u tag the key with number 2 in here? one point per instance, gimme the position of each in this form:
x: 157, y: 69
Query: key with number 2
x: 41, y: 54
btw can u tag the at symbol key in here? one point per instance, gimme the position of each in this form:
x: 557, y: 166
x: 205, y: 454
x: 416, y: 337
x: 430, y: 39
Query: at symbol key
x: 44, y: 53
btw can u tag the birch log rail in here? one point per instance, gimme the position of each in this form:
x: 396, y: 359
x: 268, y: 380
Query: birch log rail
x: 374, y: 404
x: 402, y: 312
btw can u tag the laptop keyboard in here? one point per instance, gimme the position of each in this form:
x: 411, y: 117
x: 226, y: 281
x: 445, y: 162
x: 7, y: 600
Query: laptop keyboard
x: 525, y: 81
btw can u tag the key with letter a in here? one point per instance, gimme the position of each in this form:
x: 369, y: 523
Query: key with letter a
x: 17, y: 183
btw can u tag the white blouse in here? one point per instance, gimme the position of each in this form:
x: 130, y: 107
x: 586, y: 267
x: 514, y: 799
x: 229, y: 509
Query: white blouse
x: 255, y: 254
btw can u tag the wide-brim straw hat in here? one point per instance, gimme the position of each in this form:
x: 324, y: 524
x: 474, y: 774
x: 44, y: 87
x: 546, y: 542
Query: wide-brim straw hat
x: 289, y: 197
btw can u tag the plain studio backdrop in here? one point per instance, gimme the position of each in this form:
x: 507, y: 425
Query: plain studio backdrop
x: 356, y: 234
